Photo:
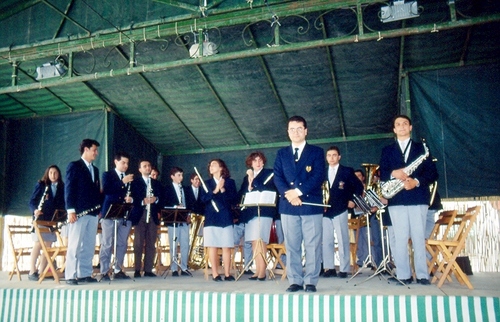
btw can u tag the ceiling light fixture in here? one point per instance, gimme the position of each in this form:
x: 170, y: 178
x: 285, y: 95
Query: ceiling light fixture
x: 207, y: 49
x: 399, y: 10
x: 51, y: 69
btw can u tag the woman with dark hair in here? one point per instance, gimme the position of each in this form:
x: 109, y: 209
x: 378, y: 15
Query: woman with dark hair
x: 258, y: 227
x: 218, y: 229
x: 47, y: 197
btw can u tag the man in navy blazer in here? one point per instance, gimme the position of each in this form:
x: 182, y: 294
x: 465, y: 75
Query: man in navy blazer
x: 116, y: 187
x: 83, y: 202
x: 342, y: 183
x: 298, y: 174
x: 408, y: 208
x: 145, y: 222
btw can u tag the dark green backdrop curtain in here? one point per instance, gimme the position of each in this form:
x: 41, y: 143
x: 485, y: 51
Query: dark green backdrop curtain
x: 458, y: 110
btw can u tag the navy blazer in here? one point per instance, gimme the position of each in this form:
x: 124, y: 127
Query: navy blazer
x: 81, y: 193
x: 426, y: 173
x: 51, y: 203
x: 194, y: 204
x: 114, y: 190
x: 170, y: 198
x: 224, y: 202
x: 307, y: 175
x: 139, y: 193
x: 344, y: 186
x: 258, y: 185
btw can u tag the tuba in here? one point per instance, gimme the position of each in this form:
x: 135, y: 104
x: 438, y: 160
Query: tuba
x: 370, y: 174
x: 196, y: 255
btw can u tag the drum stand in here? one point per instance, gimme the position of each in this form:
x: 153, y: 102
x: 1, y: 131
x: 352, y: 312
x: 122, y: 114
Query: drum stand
x: 260, y: 246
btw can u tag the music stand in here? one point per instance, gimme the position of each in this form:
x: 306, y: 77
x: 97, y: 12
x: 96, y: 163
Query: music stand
x: 260, y: 243
x: 116, y: 212
x: 174, y: 216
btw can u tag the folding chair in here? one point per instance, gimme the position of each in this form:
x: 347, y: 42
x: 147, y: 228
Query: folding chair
x: 440, y: 231
x: 449, y: 249
x: 275, y: 252
x: 17, y: 234
x: 50, y: 253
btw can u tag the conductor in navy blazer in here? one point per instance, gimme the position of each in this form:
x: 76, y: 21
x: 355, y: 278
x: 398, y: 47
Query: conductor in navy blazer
x: 83, y: 197
x: 299, y: 170
x: 408, y: 208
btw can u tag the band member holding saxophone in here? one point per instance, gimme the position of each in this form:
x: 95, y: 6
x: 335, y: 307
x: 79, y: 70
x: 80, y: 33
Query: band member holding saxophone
x: 47, y: 197
x: 408, y: 207
x: 299, y: 171
x: 82, y: 196
x: 343, y: 184
x: 116, y: 187
x: 257, y: 179
x: 146, y: 195
x: 219, y: 196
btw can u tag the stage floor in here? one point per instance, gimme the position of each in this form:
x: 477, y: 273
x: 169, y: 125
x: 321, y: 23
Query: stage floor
x: 485, y: 285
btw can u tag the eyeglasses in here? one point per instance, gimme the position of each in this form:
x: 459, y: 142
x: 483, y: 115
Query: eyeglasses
x: 296, y: 130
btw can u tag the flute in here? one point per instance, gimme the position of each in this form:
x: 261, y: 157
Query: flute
x: 206, y: 189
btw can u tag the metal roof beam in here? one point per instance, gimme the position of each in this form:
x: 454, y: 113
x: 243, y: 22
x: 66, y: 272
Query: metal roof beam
x: 17, y: 7
x: 68, y: 8
x: 51, y: 6
x: 180, y: 4
x: 252, y: 53
x: 336, y: 91
x: 282, y: 144
x: 164, y: 27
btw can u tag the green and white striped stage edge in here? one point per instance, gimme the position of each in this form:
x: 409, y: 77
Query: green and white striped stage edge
x: 158, y: 306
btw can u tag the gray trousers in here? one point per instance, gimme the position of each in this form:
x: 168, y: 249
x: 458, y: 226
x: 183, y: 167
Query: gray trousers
x: 182, y: 238
x: 309, y: 230
x: 145, y: 235
x: 339, y: 225
x: 81, y: 247
x: 107, y: 243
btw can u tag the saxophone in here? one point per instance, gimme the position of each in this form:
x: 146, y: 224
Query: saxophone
x: 196, y: 255
x: 325, y: 192
x: 392, y: 187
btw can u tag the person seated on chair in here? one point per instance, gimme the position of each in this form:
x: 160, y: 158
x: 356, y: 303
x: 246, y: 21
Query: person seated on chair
x: 47, y: 197
x: 258, y: 228
x: 176, y: 198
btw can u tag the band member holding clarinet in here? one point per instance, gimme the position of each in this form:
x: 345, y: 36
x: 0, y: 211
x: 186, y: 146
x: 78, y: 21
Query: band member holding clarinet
x: 146, y: 194
x: 219, y: 195
x: 408, y: 207
x: 116, y: 187
x: 257, y: 179
x: 83, y: 201
x: 47, y: 197
x: 299, y: 171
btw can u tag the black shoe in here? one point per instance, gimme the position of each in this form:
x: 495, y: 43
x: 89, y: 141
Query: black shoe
x: 88, y: 279
x: 294, y: 288
x: 72, y: 282
x: 217, y: 278
x: 310, y: 288
x: 105, y: 278
x: 248, y: 272
x: 330, y: 273
x: 404, y: 281
x: 229, y: 278
x: 137, y: 274
x: 423, y: 281
x: 149, y: 274
x: 175, y: 274
x: 121, y: 275
x: 342, y: 275
x: 253, y: 278
x: 186, y: 273
x: 33, y: 277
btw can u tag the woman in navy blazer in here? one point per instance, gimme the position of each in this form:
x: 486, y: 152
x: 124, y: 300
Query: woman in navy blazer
x: 218, y: 231
x: 44, y: 210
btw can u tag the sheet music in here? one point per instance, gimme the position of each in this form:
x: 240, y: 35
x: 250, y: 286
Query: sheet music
x: 265, y: 197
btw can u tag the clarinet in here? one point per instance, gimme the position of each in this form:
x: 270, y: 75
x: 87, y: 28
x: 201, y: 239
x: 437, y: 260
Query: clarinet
x: 149, y: 194
x: 125, y: 201
x: 40, y: 205
x: 83, y: 213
